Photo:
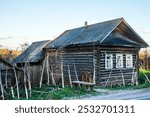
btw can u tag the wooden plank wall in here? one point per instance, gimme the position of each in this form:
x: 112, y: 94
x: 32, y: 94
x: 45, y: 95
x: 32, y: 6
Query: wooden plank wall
x: 10, y: 75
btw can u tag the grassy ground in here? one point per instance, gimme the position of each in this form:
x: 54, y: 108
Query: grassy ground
x: 55, y: 93
x: 142, y: 78
x: 145, y: 71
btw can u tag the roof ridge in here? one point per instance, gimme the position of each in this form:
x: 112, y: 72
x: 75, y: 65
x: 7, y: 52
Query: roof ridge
x: 40, y: 41
x: 55, y: 38
x: 117, y: 23
x: 105, y: 21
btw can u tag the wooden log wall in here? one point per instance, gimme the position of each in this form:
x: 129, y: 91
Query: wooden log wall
x: 55, y: 66
x: 114, y: 76
x: 80, y: 60
x: 79, y: 63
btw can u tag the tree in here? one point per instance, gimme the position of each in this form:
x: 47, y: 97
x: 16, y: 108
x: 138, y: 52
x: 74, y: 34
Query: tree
x: 24, y: 46
x: 144, y: 56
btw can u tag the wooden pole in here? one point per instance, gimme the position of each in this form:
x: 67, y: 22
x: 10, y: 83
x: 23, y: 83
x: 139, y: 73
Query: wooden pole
x: 26, y: 91
x: 133, y: 72
x: 62, y: 75
x: 123, y: 81
x: 18, y: 95
x: 76, y: 72
x: 122, y: 78
x: 6, y: 80
x: 52, y: 75
x: 47, y: 68
x: 41, y: 79
x: 94, y: 69
x: 146, y: 77
x: 12, y: 92
x: 29, y: 80
x: 2, y: 89
x: 69, y: 75
x: 137, y: 68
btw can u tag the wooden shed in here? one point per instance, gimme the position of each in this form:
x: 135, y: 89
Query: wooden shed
x: 31, y: 61
x: 107, y: 50
x: 7, y: 74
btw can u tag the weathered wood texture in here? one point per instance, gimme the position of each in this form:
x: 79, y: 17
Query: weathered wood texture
x: 81, y: 60
x: 78, y: 62
x: 114, y: 76
x: 10, y: 76
x: 54, y: 61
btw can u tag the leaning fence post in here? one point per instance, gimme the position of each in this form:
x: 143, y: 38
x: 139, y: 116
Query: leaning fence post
x: 2, y: 89
x: 16, y: 81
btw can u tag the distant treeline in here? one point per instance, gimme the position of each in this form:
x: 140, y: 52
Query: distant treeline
x: 144, y: 56
x: 9, y: 54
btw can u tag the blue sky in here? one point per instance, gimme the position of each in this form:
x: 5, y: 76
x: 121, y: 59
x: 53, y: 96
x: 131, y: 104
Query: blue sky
x: 33, y: 20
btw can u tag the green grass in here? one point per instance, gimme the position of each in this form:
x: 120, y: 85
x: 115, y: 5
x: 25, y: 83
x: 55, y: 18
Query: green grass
x: 145, y: 71
x: 142, y: 78
x: 52, y: 93
x: 56, y: 93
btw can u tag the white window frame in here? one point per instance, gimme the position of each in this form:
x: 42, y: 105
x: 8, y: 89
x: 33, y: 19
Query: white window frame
x: 119, y: 63
x: 110, y: 61
x: 131, y: 60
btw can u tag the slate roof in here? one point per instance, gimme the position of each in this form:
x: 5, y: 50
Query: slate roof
x: 119, y: 40
x: 95, y: 33
x: 33, y: 53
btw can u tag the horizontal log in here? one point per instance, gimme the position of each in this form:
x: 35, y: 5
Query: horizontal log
x: 83, y: 83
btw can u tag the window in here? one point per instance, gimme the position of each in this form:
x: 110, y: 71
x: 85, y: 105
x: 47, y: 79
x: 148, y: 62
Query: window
x: 119, y: 61
x: 129, y: 62
x: 108, y: 61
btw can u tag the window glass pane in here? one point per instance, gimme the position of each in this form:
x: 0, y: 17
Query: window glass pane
x: 108, y: 61
x: 119, y: 60
x: 129, y: 62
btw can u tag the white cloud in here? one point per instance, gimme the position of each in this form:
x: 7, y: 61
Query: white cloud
x: 146, y: 31
x: 3, y: 38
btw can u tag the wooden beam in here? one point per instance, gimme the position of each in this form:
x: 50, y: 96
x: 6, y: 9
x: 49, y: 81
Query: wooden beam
x: 6, y: 78
x: 69, y: 75
x: 29, y: 82
x: 83, y: 83
x: 25, y: 86
x: 24, y: 77
x: 47, y: 68
x: 122, y: 76
x: 41, y: 79
x: 29, y: 79
x: 18, y: 95
x: 133, y: 72
x: 12, y: 92
x: 94, y: 69
x: 2, y: 89
x: 52, y: 75
x: 146, y: 76
x: 76, y: 72
x: 62, y: 75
